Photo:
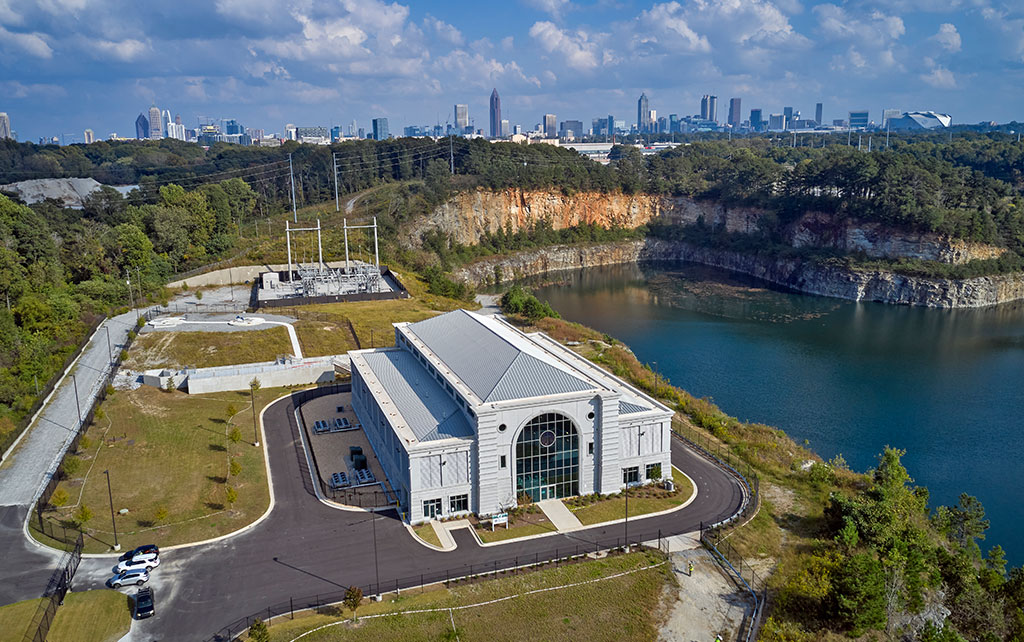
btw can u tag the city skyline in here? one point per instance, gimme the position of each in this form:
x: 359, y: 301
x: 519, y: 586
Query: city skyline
x: 410, y: 64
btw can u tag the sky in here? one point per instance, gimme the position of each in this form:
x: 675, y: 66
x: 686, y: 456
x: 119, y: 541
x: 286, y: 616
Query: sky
x: 67, y: 65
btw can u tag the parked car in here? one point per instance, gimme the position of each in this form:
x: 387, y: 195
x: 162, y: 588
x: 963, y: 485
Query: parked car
x: 139, y: 550
x: 144, y: 603
x: 146, y: 561
x: 136, y: 576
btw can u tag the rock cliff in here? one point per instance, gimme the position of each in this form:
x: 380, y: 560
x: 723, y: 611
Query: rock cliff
x: 800, y: 275
x: 469, y: 216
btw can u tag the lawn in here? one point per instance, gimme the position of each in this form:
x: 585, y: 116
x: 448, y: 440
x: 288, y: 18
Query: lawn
x: 90, y: 616
x: 628, y: 607
x: 169, y: 457
x: 427, y: 533
x: 206, y: 349
x: 531, y: 522
x: 320, y: 338
x: 642, y: 501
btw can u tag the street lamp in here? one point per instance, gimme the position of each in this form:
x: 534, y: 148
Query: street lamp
x: 74, y: 380
x: 113, y: 523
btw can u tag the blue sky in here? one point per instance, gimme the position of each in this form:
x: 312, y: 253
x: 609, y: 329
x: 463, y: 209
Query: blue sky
x: 66, y: 65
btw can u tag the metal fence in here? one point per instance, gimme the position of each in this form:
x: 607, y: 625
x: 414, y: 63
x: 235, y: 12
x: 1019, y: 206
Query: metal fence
x: 60, y: 584
x: 9, y: 438
x: 68, y: 536
x: 452, y: 576
x: 189, y: 308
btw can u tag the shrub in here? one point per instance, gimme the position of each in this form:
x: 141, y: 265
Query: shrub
x: 121, y: 357
x: 232, y: 410
x: 141, y: 321
x: 59, y: 498
x: 656, y: 472
x: 71, y: 465
x: 199, y: 295
x: 160, y: 514
x: 110, y: 386
x: 235, y: 435
x: 258, y: 631
x: 99, y: 414
x: 82, y: 515
x: 235, y: 467
x: 85, y: 443
x: 231, y: 495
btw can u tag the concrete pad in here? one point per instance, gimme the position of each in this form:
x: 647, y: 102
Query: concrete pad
x: 560, y: 516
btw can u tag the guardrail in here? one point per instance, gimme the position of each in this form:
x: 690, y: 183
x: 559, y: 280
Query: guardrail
x: 452, y: 576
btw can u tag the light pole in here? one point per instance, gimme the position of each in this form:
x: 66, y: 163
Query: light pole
x: 113, y: 523
x: 74, y: 380
x: 375, y: 566
x: 254, y: 387
x: 110, y: 351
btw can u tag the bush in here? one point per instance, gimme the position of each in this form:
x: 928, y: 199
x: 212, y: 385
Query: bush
x: 258, y: 631
x: 59, y: 498
x: 235, y: 435
x: 231, y: 495
x: 100, y: 415
x: 232, y: 410
x: 71, y: 465
x: 141, y: 321
x: 519, y: 301
x: 235, y: 467
x: 160, y: 514
x: 110, y: 387
x: 199, y: 295
x: 82, y: 515
x: 121, y: 357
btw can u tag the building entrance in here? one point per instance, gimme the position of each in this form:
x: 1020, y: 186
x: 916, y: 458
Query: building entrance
x: 547, y: 458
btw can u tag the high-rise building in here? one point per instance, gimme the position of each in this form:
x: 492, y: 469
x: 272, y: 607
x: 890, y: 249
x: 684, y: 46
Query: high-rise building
x: 504, y: 131
x: 788, y: 113
x: 462, y: 118
x: 777, y: 122
x: 380, y: 129
x: 572, y: 128
x: 709, y: 108
x: 142, y: 127
x: 818, y: 114
x: 611, y: 125
x: 859, y: 119
x: 673, y: 123
x: 155, y: 130
x: 90, y: 137
x: 232, y: 126
x: 756, y: 119
x: 550, y: 126
x: 888, y: 115
x: 177, y: 119
x: 643, y: 114
x: 165, y: 120
x: 495, y: 114
x: 735, y: 116
x: 5, y: 126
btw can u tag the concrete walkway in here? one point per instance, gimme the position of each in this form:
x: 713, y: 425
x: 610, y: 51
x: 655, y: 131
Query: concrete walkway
x: 560, y: 516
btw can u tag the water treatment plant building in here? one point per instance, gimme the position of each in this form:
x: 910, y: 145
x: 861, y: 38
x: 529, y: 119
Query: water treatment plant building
x: 468, y: 414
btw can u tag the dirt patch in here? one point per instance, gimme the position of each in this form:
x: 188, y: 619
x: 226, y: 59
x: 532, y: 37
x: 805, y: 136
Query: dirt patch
x: 707, y: 603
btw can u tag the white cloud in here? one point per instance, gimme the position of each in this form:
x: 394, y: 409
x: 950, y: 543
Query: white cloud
x: 578, y: 50
x: 31, y: 43
x: 475, y: 70
x: 508, y: 43
x: 940, y: 78
x: 124, y: 50
x: 444, y: 31
x: 667, y: 21
x: 556, y: 8
x: 15, y: 89
x: 878, y: 28
x: 948, y: 37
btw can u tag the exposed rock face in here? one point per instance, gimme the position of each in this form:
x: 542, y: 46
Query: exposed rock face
x: 70, y: 191
x: 813, y: 278
x: 470, y: 215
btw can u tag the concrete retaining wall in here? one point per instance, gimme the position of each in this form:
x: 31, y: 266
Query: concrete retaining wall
x: 272, y: 374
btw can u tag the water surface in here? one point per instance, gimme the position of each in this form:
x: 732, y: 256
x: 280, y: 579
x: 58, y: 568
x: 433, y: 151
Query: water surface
x: 848, y: 377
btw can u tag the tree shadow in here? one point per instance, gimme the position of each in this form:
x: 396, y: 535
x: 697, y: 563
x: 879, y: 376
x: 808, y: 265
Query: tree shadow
x: 214, y: 506
x: 145, y: 523
x: 218, y: 448
x: 217, y: 479
x: 332, y: 611
x: 217, y: 420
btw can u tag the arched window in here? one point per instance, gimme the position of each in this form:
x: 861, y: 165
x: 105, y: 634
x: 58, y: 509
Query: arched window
x: 548, y: 458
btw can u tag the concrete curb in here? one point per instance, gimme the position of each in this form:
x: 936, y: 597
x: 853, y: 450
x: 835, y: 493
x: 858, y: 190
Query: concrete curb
x: 175, y: 547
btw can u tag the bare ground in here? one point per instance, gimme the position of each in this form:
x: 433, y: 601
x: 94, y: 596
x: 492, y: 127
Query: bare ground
x: 707, y: 604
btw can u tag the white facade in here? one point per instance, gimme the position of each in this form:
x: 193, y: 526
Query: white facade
x: 466, y: 413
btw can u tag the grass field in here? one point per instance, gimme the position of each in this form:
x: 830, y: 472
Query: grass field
x: 639, y: 504
x: 524, y: 525
x: 626, y: 608
x: 206, y: 349
x: 427, y: 533
x: 169, y: 459
x: 91, y: 616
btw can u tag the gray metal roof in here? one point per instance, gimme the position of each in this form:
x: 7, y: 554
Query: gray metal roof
x: 493, y: 368
x: 627, y: 408
x: 427, y: 409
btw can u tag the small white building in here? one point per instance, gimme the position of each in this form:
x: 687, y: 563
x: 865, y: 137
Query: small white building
x: 466, y: 413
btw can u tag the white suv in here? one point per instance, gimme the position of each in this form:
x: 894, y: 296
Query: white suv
x: 138, y: 576
x: 146, y: 561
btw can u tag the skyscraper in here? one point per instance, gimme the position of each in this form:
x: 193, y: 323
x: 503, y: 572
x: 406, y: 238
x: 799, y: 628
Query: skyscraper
x: 165, y: 119
x: 495, y: 114
x: 142, y: 127
x: 5, y: 126
x: 611, y: 125
x: 756, y: 119
x: 735, y: 117
x: 380, y: 129
x: 155, y: 131
x: 89, y: 137
x: 550, y: 126
x: 859, y: 119
x: 788, y: 113
x: 461, y: 118
x: 643, y: 114
x: 709, y: 107
x: 818, y: 113
x: 505, y: 132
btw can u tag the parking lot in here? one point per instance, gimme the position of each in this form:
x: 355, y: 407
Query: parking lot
x: 332, y: 451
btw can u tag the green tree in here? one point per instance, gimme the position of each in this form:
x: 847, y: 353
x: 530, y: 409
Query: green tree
x: 160, y: 514
x: 82, y: 515
x: 235, y: 468
x: 858, y: 591
x: 59, y: 498
x: 235, y: 435
x: 258, y: 631
x: 231, y: 495
x: 353, y: 598
x: 133, y: 248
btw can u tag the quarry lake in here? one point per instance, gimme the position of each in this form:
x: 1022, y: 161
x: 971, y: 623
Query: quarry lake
x: 947, y: 386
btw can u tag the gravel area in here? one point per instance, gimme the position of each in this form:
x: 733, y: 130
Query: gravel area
x: 708, y: 604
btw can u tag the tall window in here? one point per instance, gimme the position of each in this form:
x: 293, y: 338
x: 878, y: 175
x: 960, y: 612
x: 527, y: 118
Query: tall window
x: 548, y: 458
x: 458, y: 503
x: 432, y: 508
x: 630, y: 475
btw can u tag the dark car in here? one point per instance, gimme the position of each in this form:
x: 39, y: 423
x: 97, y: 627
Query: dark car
x: 147, y: 548
x: 144, y: 603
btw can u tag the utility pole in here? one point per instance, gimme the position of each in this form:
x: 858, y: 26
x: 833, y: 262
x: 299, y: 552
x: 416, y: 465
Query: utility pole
x: 376, y: 253
x: 113, y: 523
x: 337, y: 203
x: 110, y: 352
x: 74, y: 380
x: 131, y: 295
x: 291, y: 174
x: 451, y: 153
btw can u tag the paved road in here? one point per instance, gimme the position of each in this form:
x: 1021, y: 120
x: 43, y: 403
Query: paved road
x: 305, y: 547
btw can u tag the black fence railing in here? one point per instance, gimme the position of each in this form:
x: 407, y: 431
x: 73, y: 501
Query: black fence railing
x: 9, y: 438
x: 68, y: 533
x: 196, y: 308
x: 58, y: 587
x: 452, y: 576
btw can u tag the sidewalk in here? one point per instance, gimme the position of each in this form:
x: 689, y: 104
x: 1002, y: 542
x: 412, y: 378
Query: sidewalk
x: 27, y: 468
x: 560, y: 516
